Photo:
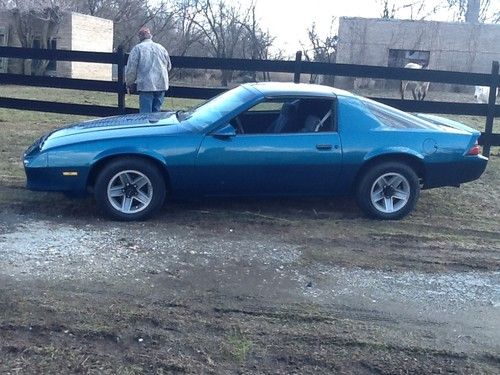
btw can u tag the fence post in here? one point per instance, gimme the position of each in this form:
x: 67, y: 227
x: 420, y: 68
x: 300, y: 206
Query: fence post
x: 121, y: 80
x: 298, y: 67
x: 490, y: 114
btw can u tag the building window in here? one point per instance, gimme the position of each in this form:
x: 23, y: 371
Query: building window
x: 398, y: 58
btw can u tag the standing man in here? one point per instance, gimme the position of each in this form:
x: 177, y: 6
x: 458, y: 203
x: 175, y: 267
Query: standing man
x: 147, y: 67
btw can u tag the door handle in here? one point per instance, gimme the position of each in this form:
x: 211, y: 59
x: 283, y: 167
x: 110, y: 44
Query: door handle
x: 324, y: 147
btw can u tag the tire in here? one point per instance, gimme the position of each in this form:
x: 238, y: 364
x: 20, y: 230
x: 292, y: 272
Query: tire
x: 130, y: 189
x: 388, y: 191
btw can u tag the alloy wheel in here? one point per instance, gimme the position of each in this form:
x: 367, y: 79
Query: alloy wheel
x: 390, y: 192
x: 130, y: 191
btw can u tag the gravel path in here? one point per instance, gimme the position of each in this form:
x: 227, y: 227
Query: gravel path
x: 463, y: 305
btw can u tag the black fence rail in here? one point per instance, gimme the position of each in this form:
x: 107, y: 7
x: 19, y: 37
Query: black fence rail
x: 296, y: 67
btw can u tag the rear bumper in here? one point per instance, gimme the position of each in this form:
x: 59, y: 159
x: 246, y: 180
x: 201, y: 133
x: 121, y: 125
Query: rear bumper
x: 454, y: 173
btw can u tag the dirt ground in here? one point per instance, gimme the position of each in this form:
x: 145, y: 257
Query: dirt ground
x: 250, y: 287
x: 245, y: 287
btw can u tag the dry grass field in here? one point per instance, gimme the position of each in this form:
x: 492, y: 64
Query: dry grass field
x: 246, y: 287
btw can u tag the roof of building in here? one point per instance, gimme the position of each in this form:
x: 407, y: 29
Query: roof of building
x: 399, y: 21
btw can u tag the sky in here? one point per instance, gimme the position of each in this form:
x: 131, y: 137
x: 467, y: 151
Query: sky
x: 288, y: 20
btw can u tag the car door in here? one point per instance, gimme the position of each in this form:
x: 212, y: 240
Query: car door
x: 263, y: 164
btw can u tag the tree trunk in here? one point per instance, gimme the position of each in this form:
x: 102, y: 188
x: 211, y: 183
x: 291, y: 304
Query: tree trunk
x: 473, y: 10
x: 226, y: 77
x: 26, y: 66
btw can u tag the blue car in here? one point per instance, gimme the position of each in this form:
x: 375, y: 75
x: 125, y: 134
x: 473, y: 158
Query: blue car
x: 259, y: 139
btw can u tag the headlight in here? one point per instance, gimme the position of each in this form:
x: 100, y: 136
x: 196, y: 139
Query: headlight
x: 36, y: 160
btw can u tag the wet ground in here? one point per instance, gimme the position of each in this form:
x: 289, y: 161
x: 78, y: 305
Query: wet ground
x: 247, y: 287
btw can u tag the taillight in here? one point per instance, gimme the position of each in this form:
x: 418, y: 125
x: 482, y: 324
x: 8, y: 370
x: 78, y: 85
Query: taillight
x: 474, y: 150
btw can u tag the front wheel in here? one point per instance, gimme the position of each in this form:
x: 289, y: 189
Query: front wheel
x: 130, y: 189
x: 388, y: 191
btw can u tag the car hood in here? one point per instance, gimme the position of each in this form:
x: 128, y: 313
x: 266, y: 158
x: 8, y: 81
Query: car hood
x: 136, y: 125
x: 116, y: 123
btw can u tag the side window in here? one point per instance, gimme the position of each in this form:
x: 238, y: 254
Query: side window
x: 287, y: 116
x: 317, y: 115
x: 267, y: 106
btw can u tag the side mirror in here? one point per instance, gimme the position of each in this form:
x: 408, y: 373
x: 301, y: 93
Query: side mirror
x: 225, y: 132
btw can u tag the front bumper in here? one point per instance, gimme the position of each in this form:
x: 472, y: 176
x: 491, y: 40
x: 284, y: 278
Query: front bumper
x: 55, y: 179
x: 41, y: 177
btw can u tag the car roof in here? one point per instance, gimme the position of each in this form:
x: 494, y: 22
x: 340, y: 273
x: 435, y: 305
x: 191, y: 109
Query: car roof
x: 296, y: 89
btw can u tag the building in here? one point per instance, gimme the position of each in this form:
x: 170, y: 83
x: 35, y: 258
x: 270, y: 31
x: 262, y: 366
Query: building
x: 78, y: 32
x: 451, y: 46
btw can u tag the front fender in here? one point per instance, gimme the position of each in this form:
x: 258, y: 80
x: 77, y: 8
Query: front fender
x: 174, y: 155
x: 101, y: 158
x: 128, y: 151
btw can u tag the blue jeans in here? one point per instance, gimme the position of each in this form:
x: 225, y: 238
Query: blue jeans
x: 151, y: 101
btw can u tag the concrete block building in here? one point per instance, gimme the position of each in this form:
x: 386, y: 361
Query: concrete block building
x: 77, y: 32
x: 451, y: 46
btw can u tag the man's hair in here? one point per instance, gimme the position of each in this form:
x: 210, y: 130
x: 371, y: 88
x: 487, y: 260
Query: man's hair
x: 144, y: 33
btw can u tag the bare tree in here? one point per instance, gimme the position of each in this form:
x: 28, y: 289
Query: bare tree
x: 496, y: 17
x: 171, y: 21
x: 184, y: 35
x: 36, y: 20
x: 255, y: 43
x: 386, y: 12
x: 222, y: 26
x: 92, y: 7
x: 322, y: 49
x: 128, y: 16
x: 417, y: 9
x: 186, y: 27
x: 174, y: 27
x: 474, y: 11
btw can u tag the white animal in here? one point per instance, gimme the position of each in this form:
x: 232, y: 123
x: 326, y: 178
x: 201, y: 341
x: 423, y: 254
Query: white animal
x: 482, y: 94
x: 418, y: 89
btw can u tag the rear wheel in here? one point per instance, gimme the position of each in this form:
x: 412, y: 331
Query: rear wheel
x: 388, y: 191
x: 130, y: 189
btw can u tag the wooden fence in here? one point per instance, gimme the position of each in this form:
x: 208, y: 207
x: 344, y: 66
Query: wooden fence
x: 297, y: 67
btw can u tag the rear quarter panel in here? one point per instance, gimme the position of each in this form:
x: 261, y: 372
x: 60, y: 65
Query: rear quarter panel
x: 364, y: 138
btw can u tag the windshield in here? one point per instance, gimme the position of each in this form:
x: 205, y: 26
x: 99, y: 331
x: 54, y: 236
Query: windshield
x: 217, y: 107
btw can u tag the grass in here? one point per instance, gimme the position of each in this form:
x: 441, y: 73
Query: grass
x: 72, y: 96
x: 238, y: 345
x: 82, y: 97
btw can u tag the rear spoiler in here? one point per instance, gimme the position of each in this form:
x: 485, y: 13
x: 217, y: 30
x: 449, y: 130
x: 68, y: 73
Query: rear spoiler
x: 438, y: 120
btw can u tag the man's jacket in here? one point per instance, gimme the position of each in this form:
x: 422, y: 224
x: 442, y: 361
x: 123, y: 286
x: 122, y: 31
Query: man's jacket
x: 148, y: 66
